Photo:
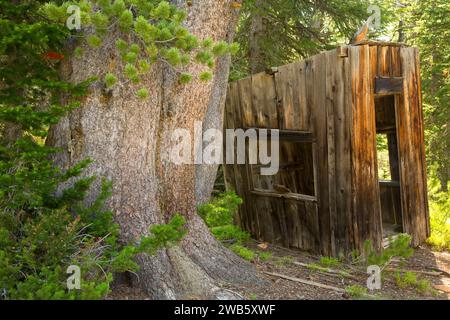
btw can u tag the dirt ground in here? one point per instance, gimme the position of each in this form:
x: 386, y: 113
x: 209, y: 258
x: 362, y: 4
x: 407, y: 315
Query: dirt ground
x: 431, y: 266
x: 423, y: 260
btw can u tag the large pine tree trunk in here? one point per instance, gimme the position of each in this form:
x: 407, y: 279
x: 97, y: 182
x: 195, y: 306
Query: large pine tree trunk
x: 126, y: 137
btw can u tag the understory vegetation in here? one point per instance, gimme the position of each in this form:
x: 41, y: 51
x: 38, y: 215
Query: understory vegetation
x: 399, y: 247
x: 43, y: 230
x: 439, y: 215
x: 220, y: 216
x: 399, y: 250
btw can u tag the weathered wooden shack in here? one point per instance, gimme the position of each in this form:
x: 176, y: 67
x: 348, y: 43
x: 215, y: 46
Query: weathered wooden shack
x: 329, y: 110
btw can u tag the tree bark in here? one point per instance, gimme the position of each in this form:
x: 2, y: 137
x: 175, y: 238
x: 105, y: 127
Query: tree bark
x: 205, y: 174
x: 126, y: 138
x: 10, y: 133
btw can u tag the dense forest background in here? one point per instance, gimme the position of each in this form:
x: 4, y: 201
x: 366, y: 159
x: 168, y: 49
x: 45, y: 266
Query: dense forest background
x: 37, y: 226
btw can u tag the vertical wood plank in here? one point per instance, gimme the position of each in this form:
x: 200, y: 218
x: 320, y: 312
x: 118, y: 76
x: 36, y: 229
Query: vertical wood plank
x: 264, y: 101
x: 243, y: 112
x: 339, y: 98
x: 331, y: 86
x: 421, y: 141
x: 366, y: 195
x: 376, y: 224
x: 411, y: 150
x: 265, y: 115
x: 316, y: 74
x: 290, y: 87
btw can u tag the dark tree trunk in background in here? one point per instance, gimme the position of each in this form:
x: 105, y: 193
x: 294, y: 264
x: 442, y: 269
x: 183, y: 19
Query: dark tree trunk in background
x: 257, y: 59
x: 126, y: 137
x: 401, y: 31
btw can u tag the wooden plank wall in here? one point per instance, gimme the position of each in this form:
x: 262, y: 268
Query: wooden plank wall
x: 410, y: 133
x: 333, y: 97
x: 314, y: 96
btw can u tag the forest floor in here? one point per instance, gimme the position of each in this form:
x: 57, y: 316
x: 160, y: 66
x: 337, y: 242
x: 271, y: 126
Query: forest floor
x: 431, y: 269
x: 430, y: 281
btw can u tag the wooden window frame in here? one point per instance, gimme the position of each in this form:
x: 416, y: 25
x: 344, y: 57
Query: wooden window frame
x: 295, y: 136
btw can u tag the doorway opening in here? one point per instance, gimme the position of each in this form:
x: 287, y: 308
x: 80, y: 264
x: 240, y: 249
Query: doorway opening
x: 388, y: 166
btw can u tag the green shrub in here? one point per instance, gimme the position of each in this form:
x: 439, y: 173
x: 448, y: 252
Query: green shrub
x: 316, y: 267
x: 285, y: 261
x: 439, y: 215
x: 42, y: 233
x: 409, y: 280
x: 356, y: 291
x: 219, y: 216
x: 253, y: 297
x: 221, y: 210
x: 329, y: 262
x: 243, y: 252
x: 264, y: 256
x: 423, y: 286
x: 398, y: 247
x: 230, y: 232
